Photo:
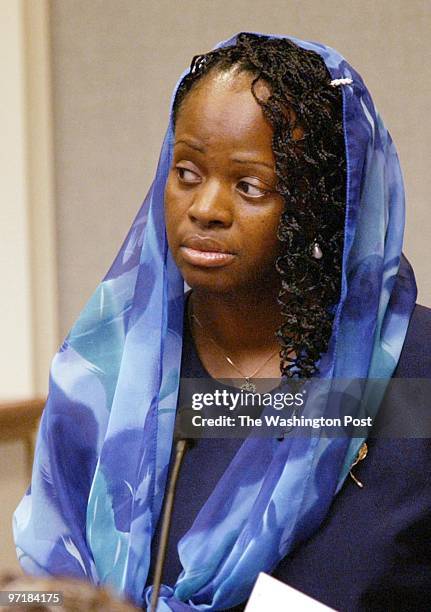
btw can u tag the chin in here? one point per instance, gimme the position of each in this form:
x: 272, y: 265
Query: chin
x: 219, y: 280
x: 216, y: 283
x: 209, y: 281
x: 231, y: 279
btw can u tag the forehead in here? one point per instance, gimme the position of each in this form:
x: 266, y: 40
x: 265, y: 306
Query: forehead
x: 221, y: 109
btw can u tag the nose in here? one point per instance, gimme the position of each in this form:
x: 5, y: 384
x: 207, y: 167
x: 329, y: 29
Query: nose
x: 212, y: 205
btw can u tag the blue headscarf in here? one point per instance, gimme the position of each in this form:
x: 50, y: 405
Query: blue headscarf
x: 105, y: 439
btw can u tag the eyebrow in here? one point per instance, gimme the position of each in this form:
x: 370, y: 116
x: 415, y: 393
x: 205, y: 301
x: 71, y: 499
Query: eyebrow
x: 190, y: 144
x: 252, y: 162
x: 201, y: 149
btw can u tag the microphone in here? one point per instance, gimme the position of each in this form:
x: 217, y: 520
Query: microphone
x: 181, y: 447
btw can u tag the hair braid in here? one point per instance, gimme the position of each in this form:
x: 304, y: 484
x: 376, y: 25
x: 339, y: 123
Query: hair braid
x: 305, y: 113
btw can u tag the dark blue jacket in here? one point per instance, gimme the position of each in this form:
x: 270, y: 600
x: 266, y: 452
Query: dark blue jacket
x: 373, y: 551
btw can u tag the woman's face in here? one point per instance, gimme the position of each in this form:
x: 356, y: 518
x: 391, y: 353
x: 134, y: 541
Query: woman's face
x: 221, y: 207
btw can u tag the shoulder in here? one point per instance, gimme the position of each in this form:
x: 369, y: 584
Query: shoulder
x: 419, y: 329
x: 415, y: 358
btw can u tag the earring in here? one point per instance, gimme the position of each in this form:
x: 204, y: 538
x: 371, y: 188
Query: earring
x: 316, y: 251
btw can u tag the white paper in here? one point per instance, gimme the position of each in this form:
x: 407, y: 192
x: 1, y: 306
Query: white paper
x: 271, y: 594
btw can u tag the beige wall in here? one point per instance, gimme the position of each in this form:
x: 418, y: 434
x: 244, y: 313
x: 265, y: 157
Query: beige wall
x: 16, y: 367
x: 16, y: 364
x: 116, y: 61
x: 28, y: 305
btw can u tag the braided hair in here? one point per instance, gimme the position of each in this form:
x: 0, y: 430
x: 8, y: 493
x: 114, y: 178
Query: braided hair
x: 311, y: 177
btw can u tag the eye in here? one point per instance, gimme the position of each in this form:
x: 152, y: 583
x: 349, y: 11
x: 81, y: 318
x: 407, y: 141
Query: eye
x: 251, y: 190
x: 187, y: 176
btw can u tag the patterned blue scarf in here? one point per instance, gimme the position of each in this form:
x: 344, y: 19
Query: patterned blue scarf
x: 105, y: 438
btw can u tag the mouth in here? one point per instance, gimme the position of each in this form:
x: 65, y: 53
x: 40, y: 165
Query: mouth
x: 207, y: 259
x: 205, y: 251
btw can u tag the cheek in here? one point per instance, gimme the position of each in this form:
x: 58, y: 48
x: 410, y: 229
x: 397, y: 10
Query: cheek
x: 263, y: 243
x: 173, y: 209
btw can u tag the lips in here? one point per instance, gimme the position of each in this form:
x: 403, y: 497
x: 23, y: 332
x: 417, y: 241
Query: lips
x: 206, y: 252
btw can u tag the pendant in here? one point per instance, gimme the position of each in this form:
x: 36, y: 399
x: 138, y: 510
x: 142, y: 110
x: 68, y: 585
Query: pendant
x: 248, y: 386
x: 363, y: 451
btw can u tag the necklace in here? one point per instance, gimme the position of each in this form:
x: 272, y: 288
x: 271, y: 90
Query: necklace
x: 247, y: 386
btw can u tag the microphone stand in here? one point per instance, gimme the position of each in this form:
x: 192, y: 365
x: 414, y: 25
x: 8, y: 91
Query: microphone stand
x: 181, y: 447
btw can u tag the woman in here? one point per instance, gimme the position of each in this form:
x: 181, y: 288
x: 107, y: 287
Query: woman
x: 284, y: 213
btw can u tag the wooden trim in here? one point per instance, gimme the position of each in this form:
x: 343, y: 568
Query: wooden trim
x: 19, y: 420
x: 17, y: 417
